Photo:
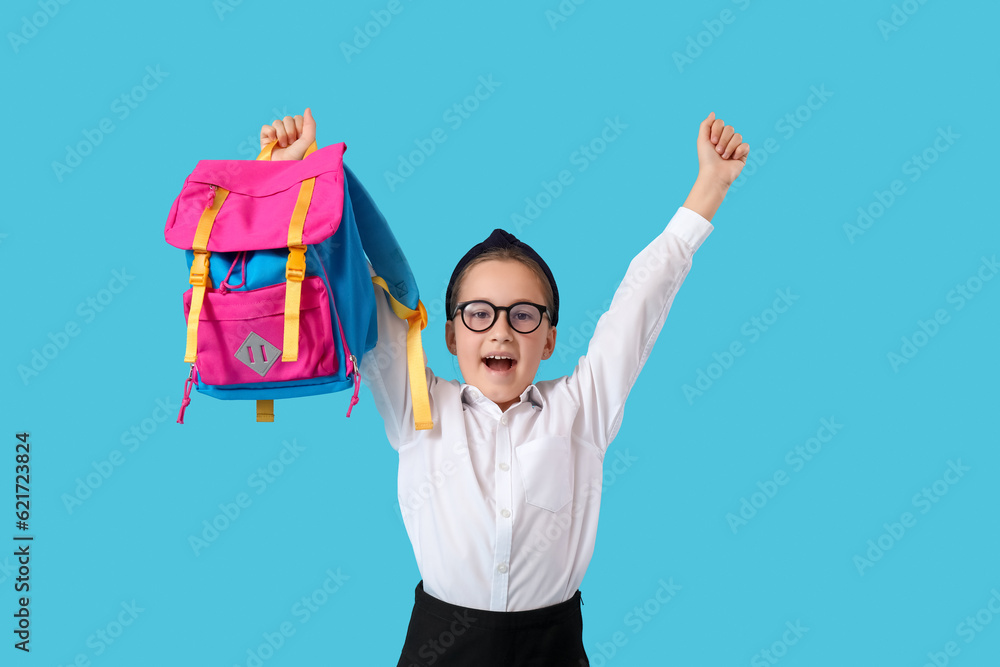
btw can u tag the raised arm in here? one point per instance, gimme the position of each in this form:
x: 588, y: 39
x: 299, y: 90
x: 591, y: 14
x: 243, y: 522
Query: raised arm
x: 624, y: 336
x: 383, y: 369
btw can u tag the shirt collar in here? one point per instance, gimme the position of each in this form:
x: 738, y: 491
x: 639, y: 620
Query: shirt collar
x: 530, y: 395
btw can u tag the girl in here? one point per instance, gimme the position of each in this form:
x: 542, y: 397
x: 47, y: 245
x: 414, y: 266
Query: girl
x: 500, y: 500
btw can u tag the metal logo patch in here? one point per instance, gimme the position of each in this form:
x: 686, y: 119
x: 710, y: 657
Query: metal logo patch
x: 257, y: 353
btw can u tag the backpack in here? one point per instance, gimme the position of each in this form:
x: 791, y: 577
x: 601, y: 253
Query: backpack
x: 294, y: 309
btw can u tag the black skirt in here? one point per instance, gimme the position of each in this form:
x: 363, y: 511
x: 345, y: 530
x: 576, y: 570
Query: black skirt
x: 446, y: 635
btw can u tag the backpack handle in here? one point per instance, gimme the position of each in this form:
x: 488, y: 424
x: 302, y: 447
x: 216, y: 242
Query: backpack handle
x: 265, y: 153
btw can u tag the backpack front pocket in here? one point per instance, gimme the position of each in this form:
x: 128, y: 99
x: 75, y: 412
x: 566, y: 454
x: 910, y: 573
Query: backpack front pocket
x: 240, y: 334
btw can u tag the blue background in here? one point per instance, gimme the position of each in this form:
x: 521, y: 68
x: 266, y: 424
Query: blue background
x: 227, y: 69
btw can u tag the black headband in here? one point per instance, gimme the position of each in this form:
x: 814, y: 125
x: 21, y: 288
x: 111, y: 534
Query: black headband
x: 501, y: 239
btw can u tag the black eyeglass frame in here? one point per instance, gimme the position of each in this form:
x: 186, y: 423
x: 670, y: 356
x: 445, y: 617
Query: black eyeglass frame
x: 542, y: 310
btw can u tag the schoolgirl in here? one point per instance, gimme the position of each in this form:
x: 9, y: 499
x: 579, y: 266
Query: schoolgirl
x: 500, y: 499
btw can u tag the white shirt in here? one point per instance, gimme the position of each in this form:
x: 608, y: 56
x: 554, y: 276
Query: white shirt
x: 502, y: 507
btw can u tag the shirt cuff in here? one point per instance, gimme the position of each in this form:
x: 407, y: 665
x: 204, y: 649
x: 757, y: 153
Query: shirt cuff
x: 690, y: 227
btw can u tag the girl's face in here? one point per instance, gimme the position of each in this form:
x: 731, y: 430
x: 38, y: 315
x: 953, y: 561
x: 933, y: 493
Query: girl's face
x: 502, y: 283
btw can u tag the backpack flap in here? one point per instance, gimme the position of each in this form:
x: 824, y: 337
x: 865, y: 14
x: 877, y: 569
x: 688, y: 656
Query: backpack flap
x: 262, y: 197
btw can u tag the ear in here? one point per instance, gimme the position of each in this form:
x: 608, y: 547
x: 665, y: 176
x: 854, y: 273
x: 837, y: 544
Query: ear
x: 550, y: 343
x: 449, y: 337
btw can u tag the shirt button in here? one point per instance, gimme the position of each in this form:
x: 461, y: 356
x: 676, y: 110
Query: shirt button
x: 505, y: 513
x: 502, y: 568
x: 503, y: 420
x: 504, y: 467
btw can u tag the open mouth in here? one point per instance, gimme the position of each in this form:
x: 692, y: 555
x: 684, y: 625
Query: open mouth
x: 499, y: 364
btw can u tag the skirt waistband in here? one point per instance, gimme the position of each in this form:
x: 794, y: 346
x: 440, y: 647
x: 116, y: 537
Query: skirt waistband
x: 496, y: 620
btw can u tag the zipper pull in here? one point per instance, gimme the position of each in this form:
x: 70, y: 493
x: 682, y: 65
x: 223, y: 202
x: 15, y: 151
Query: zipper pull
x: 187, y: 393
x: 211, y: 196
x: 357, y: 383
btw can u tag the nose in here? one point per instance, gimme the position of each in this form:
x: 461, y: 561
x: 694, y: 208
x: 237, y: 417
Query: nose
x: 501, y: 329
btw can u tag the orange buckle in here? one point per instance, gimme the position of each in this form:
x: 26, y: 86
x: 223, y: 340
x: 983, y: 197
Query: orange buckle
x: 199, y: 268
x: 295, y: 268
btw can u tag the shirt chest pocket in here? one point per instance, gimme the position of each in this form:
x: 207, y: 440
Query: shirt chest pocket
x: 545, y: 469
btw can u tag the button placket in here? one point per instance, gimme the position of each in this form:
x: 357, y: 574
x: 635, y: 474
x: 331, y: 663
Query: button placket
x: 504, y: 526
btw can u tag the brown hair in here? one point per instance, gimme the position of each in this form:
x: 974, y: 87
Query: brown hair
x: 505, y: 253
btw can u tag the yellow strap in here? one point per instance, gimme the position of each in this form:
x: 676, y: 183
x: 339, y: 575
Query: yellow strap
x: 295, y: 271
x: 200, y: 278
x: 414, y: 357
x: 265, y: 410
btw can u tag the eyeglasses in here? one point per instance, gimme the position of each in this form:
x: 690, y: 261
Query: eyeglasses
x: 523, y: 316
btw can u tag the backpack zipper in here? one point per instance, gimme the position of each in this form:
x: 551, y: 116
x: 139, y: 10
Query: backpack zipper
x: 187, y: 392
x: 353, y: 370
x: 357, y: 382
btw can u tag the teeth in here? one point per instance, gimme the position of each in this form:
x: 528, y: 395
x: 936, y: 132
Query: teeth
x: 493, y: 356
